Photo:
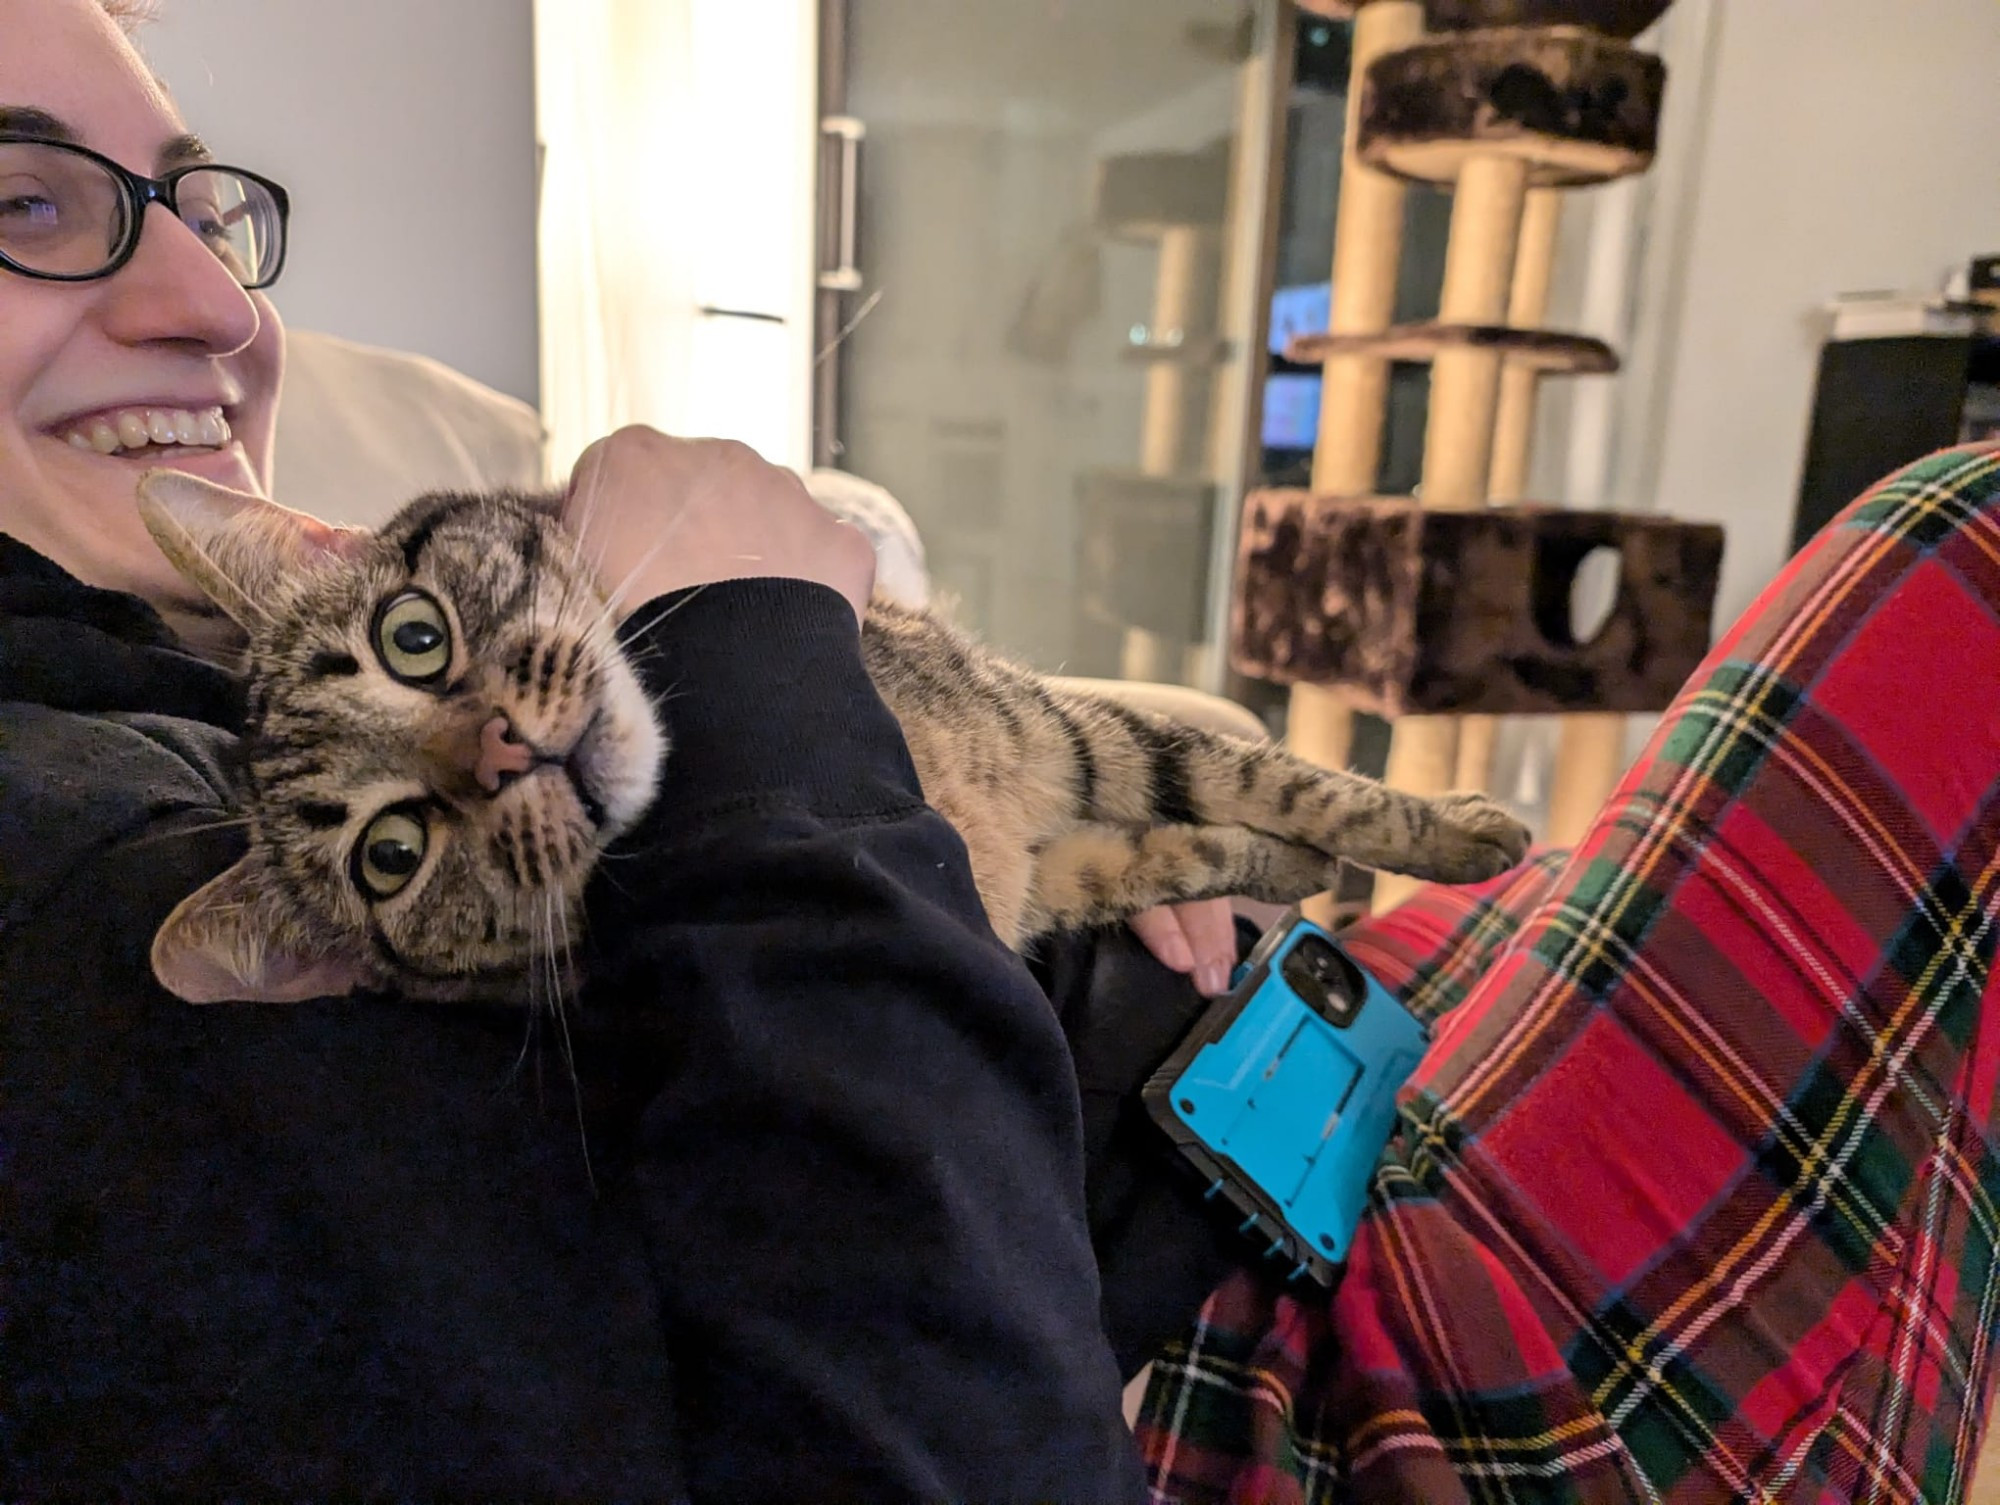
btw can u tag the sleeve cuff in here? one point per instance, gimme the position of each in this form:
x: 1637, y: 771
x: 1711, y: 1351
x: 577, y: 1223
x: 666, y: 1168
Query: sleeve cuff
x: 761, y: 689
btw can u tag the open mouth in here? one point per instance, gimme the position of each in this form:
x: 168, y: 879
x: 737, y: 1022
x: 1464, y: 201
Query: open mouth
x: 146, y: 432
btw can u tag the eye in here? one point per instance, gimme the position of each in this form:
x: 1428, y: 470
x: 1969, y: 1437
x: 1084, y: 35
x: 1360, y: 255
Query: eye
x: 413, y: 639
x: 391, y: 851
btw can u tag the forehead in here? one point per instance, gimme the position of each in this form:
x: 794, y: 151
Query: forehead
x: 69, y: 59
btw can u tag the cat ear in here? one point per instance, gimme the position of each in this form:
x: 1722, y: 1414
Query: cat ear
x: 232, y: 545
x: 228, y: 942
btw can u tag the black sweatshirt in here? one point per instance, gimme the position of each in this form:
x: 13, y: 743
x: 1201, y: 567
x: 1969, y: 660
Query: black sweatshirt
x: 836, y: 1245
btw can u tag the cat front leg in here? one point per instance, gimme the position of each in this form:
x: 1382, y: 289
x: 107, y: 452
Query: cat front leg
x: 1452, y: 838
x: 1104, y: 873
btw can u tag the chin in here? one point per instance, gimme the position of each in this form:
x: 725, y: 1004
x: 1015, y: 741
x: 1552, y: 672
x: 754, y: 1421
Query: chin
x: 95, y: 531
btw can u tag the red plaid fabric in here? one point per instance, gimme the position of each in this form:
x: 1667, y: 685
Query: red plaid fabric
x: 1695, y: 1196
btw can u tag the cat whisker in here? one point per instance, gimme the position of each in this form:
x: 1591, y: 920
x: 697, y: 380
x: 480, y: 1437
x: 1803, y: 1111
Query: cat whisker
x: 841, y: 336
x: 557, y: 969
x: 234, y: 822
x: 665, y: 537
x: 668, y: 611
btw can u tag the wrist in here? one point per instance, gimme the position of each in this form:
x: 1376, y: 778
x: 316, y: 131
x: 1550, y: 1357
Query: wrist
x: 763, y: 695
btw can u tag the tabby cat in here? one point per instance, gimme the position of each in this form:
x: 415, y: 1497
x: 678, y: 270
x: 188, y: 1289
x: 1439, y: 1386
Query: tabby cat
x: 443, y: 737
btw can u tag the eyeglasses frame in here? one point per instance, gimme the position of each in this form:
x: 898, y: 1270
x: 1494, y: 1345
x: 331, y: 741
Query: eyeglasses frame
x: 141, y: 193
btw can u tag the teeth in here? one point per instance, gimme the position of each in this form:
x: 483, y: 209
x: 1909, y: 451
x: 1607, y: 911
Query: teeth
x: 134, y: 428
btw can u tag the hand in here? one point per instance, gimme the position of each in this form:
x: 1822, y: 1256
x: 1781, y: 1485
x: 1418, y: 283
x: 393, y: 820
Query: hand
x: 1197, y: 938
x: 657, y: 514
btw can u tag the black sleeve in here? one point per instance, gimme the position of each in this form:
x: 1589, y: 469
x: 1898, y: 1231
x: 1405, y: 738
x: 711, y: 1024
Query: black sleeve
x: 128, y: 811
x: 863, y: 1176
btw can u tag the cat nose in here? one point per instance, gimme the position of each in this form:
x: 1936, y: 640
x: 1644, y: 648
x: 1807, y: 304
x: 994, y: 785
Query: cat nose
x: 500, y: 753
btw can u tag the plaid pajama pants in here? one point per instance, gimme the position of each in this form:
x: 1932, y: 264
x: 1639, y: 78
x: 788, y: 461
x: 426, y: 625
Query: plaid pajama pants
x: 1694, y: 1199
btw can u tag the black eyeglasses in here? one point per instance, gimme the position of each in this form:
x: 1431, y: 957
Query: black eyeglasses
x: 70, y: 215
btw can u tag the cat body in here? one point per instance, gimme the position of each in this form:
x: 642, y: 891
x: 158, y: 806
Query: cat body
x: 1078, y: 810
x: 443, y: 737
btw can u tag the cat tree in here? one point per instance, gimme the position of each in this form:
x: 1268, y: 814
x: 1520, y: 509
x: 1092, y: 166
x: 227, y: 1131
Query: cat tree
x: 1140, y: 530
x: 1452, y: 608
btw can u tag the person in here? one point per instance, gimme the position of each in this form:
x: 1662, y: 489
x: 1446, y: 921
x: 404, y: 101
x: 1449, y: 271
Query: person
x: 824, y: 1230
x: 1694, y: 1195
x: 1692, y: 1200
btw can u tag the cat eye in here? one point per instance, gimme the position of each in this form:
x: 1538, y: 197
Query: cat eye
x: 413, y: 639
x: 391, y: 851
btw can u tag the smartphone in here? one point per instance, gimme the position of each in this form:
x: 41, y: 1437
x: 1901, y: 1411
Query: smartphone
x: 1283, y: 1095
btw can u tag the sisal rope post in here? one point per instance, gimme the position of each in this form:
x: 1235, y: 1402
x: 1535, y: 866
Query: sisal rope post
x: 1486, y: 213
x: 1590, y: 760
x: 1514, y: 429
x: 1354, y: 392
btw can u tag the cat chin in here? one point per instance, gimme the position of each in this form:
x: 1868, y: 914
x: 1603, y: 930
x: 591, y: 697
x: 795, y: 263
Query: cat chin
x: 621, y: 757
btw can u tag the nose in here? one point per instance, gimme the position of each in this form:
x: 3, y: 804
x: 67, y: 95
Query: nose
x: 500, y: 753
x: 465, y: 755
x: 176, y: 291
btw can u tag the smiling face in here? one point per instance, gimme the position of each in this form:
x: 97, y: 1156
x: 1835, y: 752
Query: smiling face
x: 168, y: 362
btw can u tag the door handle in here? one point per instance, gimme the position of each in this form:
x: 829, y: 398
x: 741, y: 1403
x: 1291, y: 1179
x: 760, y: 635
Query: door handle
x: 845, y: 134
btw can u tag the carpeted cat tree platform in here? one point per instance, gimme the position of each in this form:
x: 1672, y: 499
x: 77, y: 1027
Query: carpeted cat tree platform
x: 1451, y: 608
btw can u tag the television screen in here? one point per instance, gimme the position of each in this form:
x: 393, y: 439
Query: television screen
x: 1299, y: 310
x: 1291, y: 411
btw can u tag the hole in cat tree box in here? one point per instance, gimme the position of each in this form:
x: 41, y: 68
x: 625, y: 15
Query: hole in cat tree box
x: 1593, y: 594
x: 1573, y: 590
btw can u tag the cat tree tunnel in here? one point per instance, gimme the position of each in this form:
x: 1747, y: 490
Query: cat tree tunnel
x: 1450, y: 608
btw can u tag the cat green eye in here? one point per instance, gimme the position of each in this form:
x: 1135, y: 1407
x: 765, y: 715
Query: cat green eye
x: 413, y: 639
x: 391, y: 851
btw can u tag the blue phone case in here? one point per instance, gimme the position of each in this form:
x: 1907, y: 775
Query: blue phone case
x: 1284, y: 1103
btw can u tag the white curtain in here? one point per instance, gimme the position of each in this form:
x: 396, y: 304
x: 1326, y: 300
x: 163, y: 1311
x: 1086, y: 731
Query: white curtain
x: 677, y: 183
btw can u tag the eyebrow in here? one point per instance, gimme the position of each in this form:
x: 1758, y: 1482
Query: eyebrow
x: 25, y: 120
x: 19, y: 120
x: 183, y: 149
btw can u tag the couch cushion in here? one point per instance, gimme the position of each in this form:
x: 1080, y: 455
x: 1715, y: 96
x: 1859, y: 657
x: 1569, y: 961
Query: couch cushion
x: 362, y: 430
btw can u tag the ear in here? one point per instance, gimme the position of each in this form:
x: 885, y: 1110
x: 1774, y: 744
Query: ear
x: 229, y: 942
x: 232, y: 545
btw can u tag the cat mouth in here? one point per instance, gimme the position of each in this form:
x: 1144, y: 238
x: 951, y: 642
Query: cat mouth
x: 577, y: 768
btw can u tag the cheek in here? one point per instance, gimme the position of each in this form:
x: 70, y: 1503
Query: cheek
x: 454, y: 918
x: 260, y: 367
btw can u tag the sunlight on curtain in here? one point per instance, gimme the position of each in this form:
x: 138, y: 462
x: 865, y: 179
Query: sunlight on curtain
x: 676, y: 196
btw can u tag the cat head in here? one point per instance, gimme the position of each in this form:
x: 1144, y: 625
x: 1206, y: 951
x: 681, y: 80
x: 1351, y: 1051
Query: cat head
x: 441, y: 738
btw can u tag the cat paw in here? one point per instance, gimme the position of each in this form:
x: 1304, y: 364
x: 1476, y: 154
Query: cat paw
x: 1476, y: 839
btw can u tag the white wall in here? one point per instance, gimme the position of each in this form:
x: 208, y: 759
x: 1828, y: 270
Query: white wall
x: 405, y: 130
x: 1851, y: 144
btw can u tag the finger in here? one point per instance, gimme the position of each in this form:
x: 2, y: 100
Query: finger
x: 1210, y: 928
x: 1160, y: 931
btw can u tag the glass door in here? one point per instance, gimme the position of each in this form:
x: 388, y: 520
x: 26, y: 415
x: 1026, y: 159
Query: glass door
x: 1046, y: 239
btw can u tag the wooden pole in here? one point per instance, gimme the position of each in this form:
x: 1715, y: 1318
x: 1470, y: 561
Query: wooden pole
x: 1354, y: 394
x: 1486, y: 211
x: 1184, y: 298
x: 1527, y: 308
x: 1183, y: 308
x: 1590, y: 760
x: 1514, y: 430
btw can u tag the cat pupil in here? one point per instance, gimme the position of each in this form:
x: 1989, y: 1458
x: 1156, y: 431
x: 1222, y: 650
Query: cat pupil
x: 418, y: 637
x: 397, y: 859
